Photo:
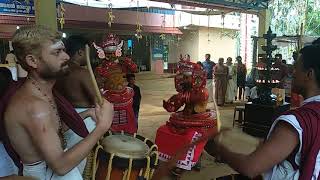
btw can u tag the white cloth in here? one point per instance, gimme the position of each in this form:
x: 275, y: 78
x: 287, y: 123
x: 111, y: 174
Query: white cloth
x: 72, y: 138
x: 90, y: 124
x: 284, y: 170
x: 21, y: 72
x: 41, y: 171
x: 209, y: 86
x: 231, y: 85
x: 14, y: 73
x: 7, y: 166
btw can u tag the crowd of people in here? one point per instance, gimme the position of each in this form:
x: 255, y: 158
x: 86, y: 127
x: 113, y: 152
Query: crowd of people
x: 229, y: 81
x: 224, y: 80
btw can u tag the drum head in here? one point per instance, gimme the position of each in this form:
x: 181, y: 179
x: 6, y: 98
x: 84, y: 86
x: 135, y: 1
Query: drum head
x: 125, y: 146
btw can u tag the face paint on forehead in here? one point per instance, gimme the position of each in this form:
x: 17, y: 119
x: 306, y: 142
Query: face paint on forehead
x: 57, y: 45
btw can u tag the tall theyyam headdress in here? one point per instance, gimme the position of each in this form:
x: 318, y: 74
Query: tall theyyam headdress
x: 111, y: 43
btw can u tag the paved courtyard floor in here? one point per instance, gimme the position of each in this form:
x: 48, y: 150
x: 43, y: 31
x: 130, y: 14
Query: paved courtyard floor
x: 155, y: 89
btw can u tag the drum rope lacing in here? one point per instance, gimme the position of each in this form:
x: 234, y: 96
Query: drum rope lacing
x: 155, y: 162
x: 110, y: 167
x: 148, y: 171
x: 94, y: 165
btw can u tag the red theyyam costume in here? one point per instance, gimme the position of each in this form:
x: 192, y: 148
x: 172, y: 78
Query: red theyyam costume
x: 194, y: 121
x: 111, y: 72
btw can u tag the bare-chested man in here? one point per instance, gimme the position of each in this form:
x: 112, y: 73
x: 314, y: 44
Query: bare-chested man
x: 77, y: 86
x: 36, y: 132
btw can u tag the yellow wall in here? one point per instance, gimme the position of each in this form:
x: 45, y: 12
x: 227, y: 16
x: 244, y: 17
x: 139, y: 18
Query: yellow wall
x: 188, y: 44
x: 195, y: 42
x: 218, y: 46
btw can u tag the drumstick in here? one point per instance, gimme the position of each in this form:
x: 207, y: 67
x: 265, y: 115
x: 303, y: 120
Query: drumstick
x: 217, y: 114
x: 93, y: 79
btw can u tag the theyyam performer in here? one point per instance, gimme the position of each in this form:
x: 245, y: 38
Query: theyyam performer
x: 112, y: 73
x: 34, y: 137
x: 188, y: 125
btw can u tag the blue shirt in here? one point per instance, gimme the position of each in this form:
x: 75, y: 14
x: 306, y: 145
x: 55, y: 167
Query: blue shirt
x: 208, y: 67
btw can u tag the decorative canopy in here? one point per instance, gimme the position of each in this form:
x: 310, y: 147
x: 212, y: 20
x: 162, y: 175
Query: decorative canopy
x: 247, y: 5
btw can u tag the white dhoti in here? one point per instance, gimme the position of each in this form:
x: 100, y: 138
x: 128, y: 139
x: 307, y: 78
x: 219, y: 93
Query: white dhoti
x: 41, y: 171
x: 7, y: 166
x: 231, y: 91
x: 90, y: 124
x: 209, y: 86
x: 72, y: 138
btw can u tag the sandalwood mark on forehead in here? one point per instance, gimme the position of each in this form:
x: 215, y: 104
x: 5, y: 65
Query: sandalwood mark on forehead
x: 57, y: 45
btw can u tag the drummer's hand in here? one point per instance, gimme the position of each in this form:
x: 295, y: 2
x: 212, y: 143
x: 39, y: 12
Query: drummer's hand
x: 92, y: 114
x: 214, y: 144
x: 104, y: 115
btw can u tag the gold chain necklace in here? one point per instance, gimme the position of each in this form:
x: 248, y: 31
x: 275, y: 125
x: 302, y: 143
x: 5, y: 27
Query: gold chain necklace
x: 54, y: 108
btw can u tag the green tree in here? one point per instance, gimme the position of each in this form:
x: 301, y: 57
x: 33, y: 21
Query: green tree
x: 287, y: 16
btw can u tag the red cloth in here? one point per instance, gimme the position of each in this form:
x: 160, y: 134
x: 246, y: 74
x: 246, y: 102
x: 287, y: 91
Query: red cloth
x: 296, y: 100
x: 123, y: 119
x: 308, y: 117
x: 169, y: 142
x: 66, y: 111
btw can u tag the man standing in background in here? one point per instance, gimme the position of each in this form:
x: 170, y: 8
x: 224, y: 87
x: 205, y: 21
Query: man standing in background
x: 232, y: 81
x: 241, y: 77
x: 282, y: 73
x: 131, y: 78
x: 208, y: 67
x: 220, y: 78
x: 11, y: 58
